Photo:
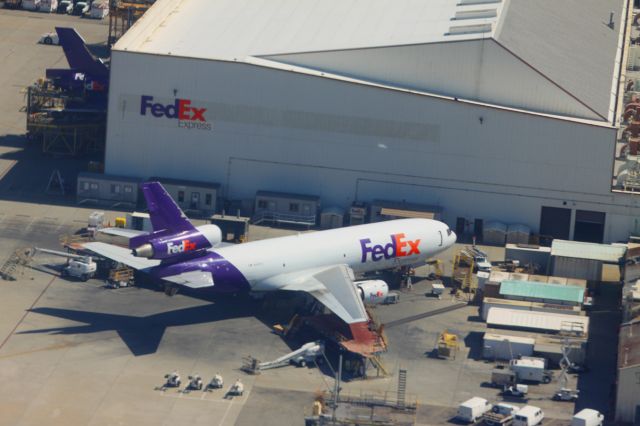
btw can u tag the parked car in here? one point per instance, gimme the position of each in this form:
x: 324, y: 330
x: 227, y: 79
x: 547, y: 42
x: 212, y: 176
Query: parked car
x: 528, y: 416
x: 65, y: 6
x: 80, y: 8
x: 50, y: 39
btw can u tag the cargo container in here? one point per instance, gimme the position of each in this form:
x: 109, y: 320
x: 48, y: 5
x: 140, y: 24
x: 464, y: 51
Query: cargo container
x: 472, y: 410
x: 587, y: 417
x: 530, y: 370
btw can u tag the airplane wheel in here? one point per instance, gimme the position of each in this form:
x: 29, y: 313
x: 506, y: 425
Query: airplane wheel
x: 48, y: 40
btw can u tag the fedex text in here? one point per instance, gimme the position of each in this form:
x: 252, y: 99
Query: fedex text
x: 398, y: 247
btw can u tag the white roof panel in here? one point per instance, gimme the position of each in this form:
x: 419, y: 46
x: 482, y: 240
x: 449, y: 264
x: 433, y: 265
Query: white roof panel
x: 532, y: 320
x: 235, y: 29
x: 603, y: 252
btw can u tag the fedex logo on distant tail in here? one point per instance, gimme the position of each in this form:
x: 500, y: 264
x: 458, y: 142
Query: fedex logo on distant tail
x: 180, y: 109
x: 185, y: 245
x: 398, y: 247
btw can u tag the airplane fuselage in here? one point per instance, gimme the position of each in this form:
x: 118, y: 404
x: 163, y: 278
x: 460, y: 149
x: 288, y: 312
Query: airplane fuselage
x: 364, y: 248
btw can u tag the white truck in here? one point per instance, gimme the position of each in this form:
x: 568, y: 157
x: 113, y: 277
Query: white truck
x: 81, y: 267
x: 500, y: 415
x: 587, y: 417
x: 531, y: 369
x: 528, y: 416
x: 473, y: 409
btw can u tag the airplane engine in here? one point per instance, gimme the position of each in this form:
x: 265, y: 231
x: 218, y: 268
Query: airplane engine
x: 167, y: 246
x: 372, y: 292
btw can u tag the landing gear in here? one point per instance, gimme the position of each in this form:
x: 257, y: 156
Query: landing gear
x: 170, y: 289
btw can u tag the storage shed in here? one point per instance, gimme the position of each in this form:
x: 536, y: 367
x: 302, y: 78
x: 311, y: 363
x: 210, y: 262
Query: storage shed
x: 112, y: 191
x: 288, y: 208
x: 194, y: 197
x: 542, y: 292
x: 576, y: 259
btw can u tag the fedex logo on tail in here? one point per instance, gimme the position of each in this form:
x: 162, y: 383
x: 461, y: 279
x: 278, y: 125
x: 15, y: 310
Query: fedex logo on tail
x: 185, y: 245
x: 398, y: 247
x: 180, y: 109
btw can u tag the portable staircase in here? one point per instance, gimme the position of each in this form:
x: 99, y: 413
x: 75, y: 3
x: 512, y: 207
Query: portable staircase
x: 402, y: 388
x: 10, y: 268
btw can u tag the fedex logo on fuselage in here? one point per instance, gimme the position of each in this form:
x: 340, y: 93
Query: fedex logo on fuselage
x: 180, y: 109
x: 398, y: 247
x: 185, y: 245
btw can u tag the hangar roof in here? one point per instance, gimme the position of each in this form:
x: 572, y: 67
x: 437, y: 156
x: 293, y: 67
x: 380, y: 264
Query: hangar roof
x: 545, y: 56
x: 229, y: 29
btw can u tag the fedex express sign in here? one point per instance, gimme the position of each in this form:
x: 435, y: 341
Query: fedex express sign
x: 398, y: 247
x: 188, y: 115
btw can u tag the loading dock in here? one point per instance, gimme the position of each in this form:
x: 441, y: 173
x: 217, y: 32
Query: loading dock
x: 589, y: 226
x: 555, y: 222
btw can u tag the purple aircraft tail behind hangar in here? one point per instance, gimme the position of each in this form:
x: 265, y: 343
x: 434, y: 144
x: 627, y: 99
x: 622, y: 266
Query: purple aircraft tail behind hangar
x: 86, y: 71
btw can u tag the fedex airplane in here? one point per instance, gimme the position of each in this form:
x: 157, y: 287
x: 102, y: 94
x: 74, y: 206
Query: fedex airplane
x: 323, y: 264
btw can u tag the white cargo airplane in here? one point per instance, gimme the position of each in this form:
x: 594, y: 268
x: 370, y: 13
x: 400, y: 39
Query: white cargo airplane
x: 322, y: 263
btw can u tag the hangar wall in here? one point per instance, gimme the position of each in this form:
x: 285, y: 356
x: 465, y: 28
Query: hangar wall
x: 480, y: 70
x: 274, y: 129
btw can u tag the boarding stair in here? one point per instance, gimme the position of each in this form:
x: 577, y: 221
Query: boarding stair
x: 307, y: 353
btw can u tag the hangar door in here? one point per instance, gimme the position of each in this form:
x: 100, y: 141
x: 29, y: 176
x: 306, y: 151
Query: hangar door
x: 555, y: 222
x: 589, y: 226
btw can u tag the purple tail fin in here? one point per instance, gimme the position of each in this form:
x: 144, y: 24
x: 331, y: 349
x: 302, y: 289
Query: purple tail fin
x: 78, y: 56
x: 164, y: 213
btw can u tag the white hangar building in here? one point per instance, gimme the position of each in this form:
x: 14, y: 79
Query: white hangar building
x: 487, y: 109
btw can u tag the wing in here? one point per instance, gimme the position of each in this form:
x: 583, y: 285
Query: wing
x: 332, y: 286
x: 121, y: 255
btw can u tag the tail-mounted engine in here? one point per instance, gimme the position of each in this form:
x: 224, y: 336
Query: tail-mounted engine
x: 159, y: 245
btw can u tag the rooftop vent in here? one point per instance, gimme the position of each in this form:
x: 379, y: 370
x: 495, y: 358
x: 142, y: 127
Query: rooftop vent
x: 476, y: 14
x: 469, y: 29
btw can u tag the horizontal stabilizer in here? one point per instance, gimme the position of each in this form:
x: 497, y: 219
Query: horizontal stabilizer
x: 192, y: 279
x: 122, y: 232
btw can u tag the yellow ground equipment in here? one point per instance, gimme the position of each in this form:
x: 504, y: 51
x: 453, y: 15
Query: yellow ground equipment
x: 435, y: 268
x: 121, y: 222
x: 448, y: 345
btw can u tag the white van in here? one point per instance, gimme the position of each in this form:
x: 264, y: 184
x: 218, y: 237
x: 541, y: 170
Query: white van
x: 528, y: 416
x: 587, y: 417
x: 472, y: 410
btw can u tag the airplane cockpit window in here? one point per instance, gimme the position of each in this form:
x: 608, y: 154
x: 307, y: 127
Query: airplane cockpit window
x: 449, y: 232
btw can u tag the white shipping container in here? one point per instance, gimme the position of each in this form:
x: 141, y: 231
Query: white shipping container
x: 48, y: 6
x: 587, y: 417
x: 99, y: 10
x: 472, y: 410
x: 504, y: 347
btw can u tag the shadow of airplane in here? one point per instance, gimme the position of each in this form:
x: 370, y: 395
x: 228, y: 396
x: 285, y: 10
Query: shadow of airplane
x: 142, y: 335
